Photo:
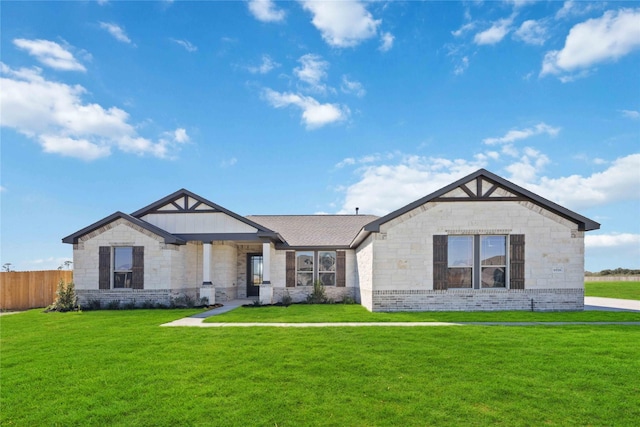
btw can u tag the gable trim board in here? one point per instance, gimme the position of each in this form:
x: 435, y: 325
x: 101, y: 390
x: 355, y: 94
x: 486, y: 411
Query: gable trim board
x: 396, y: 262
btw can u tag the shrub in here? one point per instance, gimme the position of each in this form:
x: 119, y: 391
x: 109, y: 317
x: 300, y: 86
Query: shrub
x: 319, y: 295
x: 148, y: 304
x: 113, y: 305
x: 66, y: 298
x: 348, y: 300
x: 93, y: 304
x: 183, y: 301
x: 286, y: 299
x: 130, y: 305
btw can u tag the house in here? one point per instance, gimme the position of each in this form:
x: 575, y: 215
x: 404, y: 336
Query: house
x: 480, y: 243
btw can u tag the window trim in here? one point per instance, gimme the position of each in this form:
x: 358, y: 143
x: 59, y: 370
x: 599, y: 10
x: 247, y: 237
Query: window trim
x: 476, y: 267
x: 114, y: 271
x: 316, y: 271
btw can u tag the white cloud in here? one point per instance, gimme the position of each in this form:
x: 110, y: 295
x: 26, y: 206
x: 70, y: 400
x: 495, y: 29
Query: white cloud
x: 314, y: 114
x: 607, y: 38
x: 312, y: 71
x: 384, y: 188
x: 267, y: 65
x: 462, y: 66
x: 116, y: 31
x: 228, y: 163
x: 532, y: 32
x: 185, y: 44
x: 55, y: 115
x: 50, y: 54
x: 464, y: 29
x: 516, y: 135
x: 342, y: 23
x: 631, y: 114
x: 386, y: 42
x: 352, y: 87
x: 266, y: 11
x: 495, y: 34
x: 527, y: 168
x: 617, y: 183
x: 611, y: 240
x: 520, y: 3
x: 573, y: 8
x: 3, y: 188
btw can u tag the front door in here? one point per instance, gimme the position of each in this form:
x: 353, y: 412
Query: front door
x: 254, y: 274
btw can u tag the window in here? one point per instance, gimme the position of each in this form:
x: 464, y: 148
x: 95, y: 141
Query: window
x: 476, y: 262
x: 308, y: 270
x: 122, y: 267
x: 304, y: 268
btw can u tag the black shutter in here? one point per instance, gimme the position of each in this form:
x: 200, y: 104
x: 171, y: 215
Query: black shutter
x: 341, y: 280
x: 440, y: 263
x: 291, y: 269
x: 104, y: 267
x: 137, y: 280
x: 516, y: 263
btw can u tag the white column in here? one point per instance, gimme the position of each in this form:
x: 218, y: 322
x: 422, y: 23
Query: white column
x: 206, y: 264
x: 266, y: 290
x: 266, y: 263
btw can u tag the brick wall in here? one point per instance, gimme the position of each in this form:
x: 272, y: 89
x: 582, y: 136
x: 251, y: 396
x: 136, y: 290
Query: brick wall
x: 479, y: 300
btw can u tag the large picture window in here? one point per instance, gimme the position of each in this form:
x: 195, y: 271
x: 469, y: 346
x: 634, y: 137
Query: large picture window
x: 312, y: 266
x: 477, y: 261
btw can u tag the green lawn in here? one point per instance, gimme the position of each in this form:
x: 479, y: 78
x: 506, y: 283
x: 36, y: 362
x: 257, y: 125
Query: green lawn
x: 624, y: 290
x: 313, y: 313
x: 121, y: 368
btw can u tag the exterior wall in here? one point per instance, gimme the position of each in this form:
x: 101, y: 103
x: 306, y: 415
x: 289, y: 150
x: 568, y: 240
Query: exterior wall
x: 299, y: 294
x: 163, y: 266
x: 364, y: 273
x: 224, y: 275
x: 479, y: 300
x: 403, y: 250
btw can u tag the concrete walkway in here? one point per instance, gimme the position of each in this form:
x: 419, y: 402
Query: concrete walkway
x: 591, y: 303
x: 610, y: 304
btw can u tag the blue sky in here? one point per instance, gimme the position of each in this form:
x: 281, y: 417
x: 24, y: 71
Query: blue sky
x: 314, y: 107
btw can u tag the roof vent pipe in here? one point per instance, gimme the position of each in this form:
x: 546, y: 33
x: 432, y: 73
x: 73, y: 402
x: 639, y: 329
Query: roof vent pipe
x: 357, y: 209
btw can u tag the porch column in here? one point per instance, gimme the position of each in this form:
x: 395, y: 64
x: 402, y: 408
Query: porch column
x: 266, y: 290
x: 206, y: 263
x: 266, y: 263
x: 207, y: 290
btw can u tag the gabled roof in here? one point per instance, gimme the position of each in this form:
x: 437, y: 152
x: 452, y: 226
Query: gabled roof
x: 513, y: 192
x: 184, y: 201
x: 301, y: 231
x: 168, y: 237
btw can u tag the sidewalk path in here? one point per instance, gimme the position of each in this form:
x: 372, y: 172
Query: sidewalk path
x: 606, y: 304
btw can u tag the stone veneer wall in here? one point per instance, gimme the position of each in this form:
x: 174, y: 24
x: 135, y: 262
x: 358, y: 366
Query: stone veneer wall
x: 223, y: 270
x: 479, y: 300
x: 300, y: 293
x: 137, y: 297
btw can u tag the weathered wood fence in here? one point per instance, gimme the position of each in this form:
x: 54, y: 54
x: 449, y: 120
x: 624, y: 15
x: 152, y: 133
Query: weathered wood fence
x: 21, y: 290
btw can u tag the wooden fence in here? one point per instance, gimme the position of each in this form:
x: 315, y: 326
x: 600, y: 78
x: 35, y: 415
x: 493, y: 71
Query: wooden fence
x: 21, y: 290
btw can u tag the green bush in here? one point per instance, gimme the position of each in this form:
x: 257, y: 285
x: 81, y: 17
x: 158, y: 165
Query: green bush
x: 319, y: 295
x: 348, y: 300
x: 93, y: 304
x: 66, y: 298
x: 286, y: 299
x: 113, y: 305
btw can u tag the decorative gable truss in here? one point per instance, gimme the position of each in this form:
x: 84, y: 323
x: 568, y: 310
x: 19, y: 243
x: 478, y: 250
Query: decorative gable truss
x: 479, y: 189
x: 182, y: 203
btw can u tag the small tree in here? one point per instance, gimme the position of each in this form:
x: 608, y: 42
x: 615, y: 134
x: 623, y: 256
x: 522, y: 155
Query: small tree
x: 7, y: 267
x: 66, y: 298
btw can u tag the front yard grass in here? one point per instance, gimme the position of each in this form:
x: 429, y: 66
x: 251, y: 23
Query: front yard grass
x: 623, y: 290
x: 120, y: 368
x: 314, y: 313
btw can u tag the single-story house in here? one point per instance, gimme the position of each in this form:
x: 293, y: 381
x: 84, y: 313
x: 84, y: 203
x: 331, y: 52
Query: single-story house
x: 480, y: 243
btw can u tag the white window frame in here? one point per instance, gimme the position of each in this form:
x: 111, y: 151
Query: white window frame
x: 128, y: 274
x: 316, y: 271
x: 476, y: 264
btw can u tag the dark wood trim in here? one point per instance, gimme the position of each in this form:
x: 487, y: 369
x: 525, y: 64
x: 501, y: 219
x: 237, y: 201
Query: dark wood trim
x: 490, y: 191
x: 481, y: 199
x: 290, y: 269
x: 464, y: 188
x: 137, y: 269
x: 104, y: 267
x: 440, y: 264
x: 516, y: 261
x: 479, y: 186
x: 341, y: 279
